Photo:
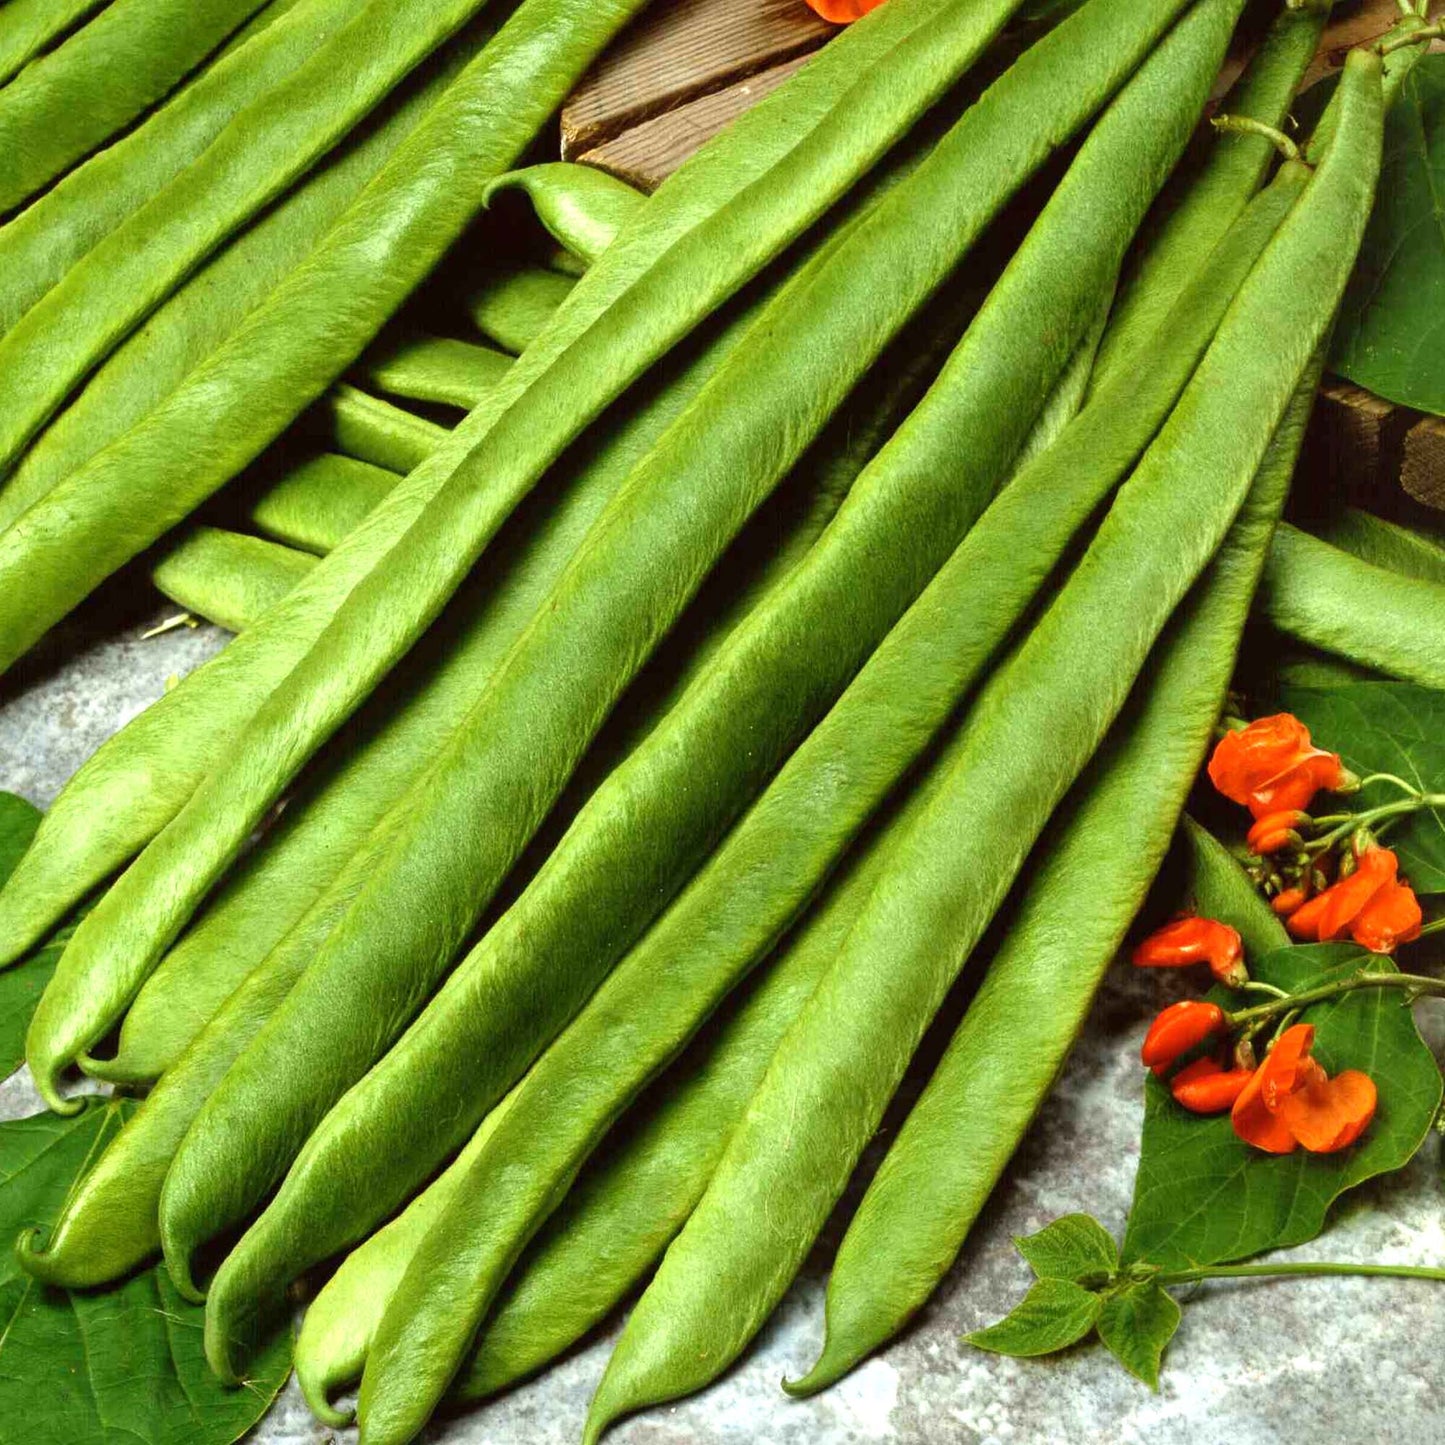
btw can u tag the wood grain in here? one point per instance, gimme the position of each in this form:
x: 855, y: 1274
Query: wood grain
x: 1422, y: 473
x: 679, y: 51
x: 648, y: 153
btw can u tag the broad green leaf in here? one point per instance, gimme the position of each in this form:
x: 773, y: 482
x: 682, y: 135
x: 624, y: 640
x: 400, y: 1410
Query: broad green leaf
x: 1137, y: 1323
x: 122, y: 1365
x: 22, y: 983
x: 1074, y: 1247
x: 1391, y: 333
x: 1387, y: 727
x: 1053, y: 1315
x: 18, y: 822
x: 1203, y: 1196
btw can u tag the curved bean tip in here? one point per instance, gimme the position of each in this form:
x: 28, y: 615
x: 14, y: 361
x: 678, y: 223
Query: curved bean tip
x: 317, y: 1390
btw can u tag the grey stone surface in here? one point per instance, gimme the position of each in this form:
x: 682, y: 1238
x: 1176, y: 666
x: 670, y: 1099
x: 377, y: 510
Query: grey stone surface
x: 1337, y: 1362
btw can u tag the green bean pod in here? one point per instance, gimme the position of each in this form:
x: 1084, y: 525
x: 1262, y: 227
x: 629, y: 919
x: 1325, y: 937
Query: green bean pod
x: 38, y: 246
x: 374, y: 431
x: 1369, y: 615
x: 795, y: 152
x: 288, y: 893
x: 1218, y: 887
x: 1022, y: 745
x: 779, y: 853
x: 99, y: 80
x: 227, y: 577
x: 1081, y: 889
x: 197, y: 319
x: 336, y: 1332
x: 512, y: 306
x: 433, y: 368
x: 841, y: 620
x: 1207, y: 195
x: 320, y: 500
x: 391, y: 742
x: 28, y: 27
x: 1383, y: 544
x: 109, y: 1224
x: 581, y: 207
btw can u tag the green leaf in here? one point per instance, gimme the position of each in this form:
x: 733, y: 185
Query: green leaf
x: 1053, y: 1315
x: 22, y: 984
x: 1137, y: 1323
x: 100, y: 1368
x: 1074, y: 1247
x: 1203, y: 1196
x: 1387, y: 727
x: 1391, y: 333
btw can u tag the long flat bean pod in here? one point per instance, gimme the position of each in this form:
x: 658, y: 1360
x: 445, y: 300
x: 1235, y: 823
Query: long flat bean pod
x: 202, y: 314
x: 38, y: 246
x: 1024, y: 742
x: 102, y: 77
x: 1081, y: 889
x: 263, y: 148
x: 582, y: 208
x: 396, y: 737
x: 787, y: 159
x: 317, y: 502
x: 29, y: 26
x: 780, y: 852
x: 823, y: 319
x: 227, y: 577
x: 110, y: 1222
x: 1198, y: 207
x: 1383, y: 544
x: 434, y: 368
x: 1353, y: 609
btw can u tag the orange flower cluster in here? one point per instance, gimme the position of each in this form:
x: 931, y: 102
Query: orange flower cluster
x: 1286, y: 1103
x: 1273, y: 768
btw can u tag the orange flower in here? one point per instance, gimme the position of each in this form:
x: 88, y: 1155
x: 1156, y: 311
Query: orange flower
x: 1276, y: 830
x: 1327, y: 1115
x: 1370, y: 905
x: 1190, y: 940
x: 1179, y: 1028
x: 1290, y: 901
x: 1271, y: 766
x: 1204, y: 1088
x: 1390, y: 918
x: 841, y: 12
x: 1290, y: 1101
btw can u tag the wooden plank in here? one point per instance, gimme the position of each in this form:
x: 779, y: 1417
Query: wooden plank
x: 1423, y: 472
x: 1355, y: 441
x: 677, y: 52
x: 648, y: 153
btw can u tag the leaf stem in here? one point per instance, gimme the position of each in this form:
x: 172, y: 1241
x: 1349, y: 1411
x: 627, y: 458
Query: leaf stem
x: 1415, y: 37
x: 1264, y: 1271
x: 1416, y: 983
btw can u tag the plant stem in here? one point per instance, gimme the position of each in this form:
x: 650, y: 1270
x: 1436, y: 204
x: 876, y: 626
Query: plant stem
x: 1264, y: 1271
x: 1417, y: 983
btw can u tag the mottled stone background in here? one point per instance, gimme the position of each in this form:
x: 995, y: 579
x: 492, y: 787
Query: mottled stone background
x: 1320, y: 1362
